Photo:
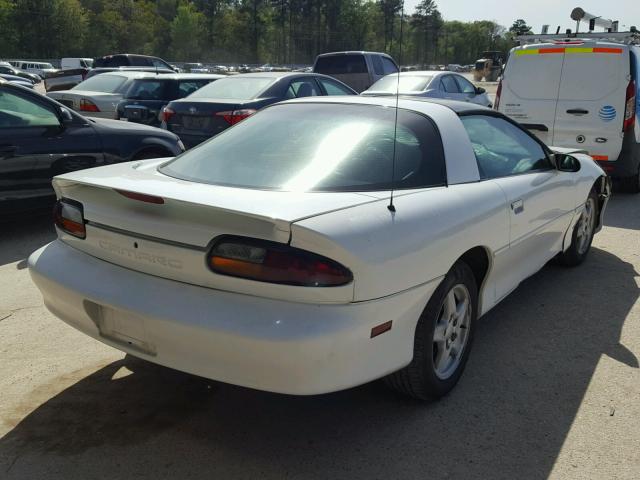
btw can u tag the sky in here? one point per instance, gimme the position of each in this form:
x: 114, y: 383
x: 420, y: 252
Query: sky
x: 537, y: 12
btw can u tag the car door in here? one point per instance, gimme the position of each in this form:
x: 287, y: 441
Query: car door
x: 540, y: 199
x: 591, y: 102
x: 467, y: 90
x: 303, y: 87
x: 35, y: 145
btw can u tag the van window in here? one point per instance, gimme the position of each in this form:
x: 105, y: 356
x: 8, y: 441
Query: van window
x: 341, y: 64
x: 389, y: 66
x: 593, y: 76
x: 534, y: 77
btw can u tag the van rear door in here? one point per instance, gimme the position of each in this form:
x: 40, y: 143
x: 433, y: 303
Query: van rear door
x: 530, y: 87
x: 591, y: 101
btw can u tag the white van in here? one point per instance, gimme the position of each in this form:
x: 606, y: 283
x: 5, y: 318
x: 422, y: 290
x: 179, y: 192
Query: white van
x: 579, y: 93
x: 359, y: 70
x: 39, y: 68
x: 73, y: 62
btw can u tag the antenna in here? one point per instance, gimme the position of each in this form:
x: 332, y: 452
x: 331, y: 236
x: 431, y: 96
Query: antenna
x: 391, y: 207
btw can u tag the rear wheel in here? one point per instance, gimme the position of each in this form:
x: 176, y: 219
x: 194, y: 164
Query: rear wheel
x: 443, y: 338
x: 582, y: 233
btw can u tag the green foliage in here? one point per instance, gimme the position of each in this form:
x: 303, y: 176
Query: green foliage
x: 244, y: 31
x: 520, y: 27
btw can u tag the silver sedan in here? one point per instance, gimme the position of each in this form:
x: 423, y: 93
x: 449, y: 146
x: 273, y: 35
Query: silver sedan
x: 432, y: 84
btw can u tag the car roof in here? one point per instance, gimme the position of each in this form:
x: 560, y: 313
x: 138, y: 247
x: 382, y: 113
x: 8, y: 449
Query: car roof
x: 354, y: 52
x: 130, y: 74
x: 409, y: 102
x: 184, y: 76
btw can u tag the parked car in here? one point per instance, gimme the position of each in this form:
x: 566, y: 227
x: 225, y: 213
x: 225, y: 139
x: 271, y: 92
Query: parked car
x: 42, y: 69
x: 23, y: 82
x: 130, y: 60
x: 40, y: 138
x: 432, y: 85
x: 145, y: 98
x: 7, y: 69
x: 276, y: 259
x: 99, y: 96
x: 225, y: 102
x: 579, y: 93
x: 99, y: 71
x: 195, y: 68
x: 359, y: 70
x: 69, y: 63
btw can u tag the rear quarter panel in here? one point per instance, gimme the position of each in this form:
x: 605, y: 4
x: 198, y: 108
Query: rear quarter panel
x: 431, y: 228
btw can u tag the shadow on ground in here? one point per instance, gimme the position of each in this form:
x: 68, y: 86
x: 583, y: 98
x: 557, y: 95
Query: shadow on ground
x: 19, y: 238
x: 532, y: 362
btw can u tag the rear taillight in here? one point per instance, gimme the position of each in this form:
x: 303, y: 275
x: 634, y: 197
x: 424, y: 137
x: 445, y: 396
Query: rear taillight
x: 272, y: 262
x: 88, y: 106
x: 167, y: 113
x: 68, y: 217
x: 235, y: 116
x: 629, y: 107
x: 496, y: 104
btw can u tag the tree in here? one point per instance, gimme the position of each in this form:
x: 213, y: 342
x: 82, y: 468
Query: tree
x: 520, y: 27
x: 187, y: 32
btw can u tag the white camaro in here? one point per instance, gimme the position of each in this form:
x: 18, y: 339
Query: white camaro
x: 271, y: 256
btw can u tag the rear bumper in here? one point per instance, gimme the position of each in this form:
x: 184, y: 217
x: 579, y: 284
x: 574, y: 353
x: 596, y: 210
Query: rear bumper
x: 628, y: 162
x: 255, y: 342
x: 191, y: 141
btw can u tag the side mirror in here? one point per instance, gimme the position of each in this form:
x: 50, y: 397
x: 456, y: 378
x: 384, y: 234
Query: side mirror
x: 565, y: 163
x: 66, y: 115
x: 480, y: 90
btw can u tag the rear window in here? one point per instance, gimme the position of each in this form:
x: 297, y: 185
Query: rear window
x: 102, y: 83
x: 408, y: 83
x: 114, y: 61
x: 594, y: 76
x: 148, y: 90
x: 234, y: 88
x: 341, y: 64
x: 319, y: 147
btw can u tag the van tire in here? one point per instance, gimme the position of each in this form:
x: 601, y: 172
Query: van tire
x: 631, y: 184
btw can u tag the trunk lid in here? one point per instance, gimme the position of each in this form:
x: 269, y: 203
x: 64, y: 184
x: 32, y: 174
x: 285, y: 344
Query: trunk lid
x: 172, y: 239
x: 198, y: 118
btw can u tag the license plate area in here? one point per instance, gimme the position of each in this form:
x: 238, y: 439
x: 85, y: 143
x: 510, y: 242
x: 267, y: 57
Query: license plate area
x: 135, y: 113
x: 121, y: 327
x: 195, y: 123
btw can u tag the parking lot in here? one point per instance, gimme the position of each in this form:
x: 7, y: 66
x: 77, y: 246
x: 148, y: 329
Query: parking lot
x: 552, y: 390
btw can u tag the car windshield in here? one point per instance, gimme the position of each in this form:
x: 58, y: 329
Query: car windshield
x: 102, y: 83
x: 318, y: 147
x: 144, y: 89
x: 234, y: 88
x: 408, y: 83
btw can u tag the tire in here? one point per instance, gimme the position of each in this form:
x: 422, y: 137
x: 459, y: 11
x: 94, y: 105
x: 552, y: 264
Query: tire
x: 581, y: 244
x: 631, y: 184
x: 427, y: 378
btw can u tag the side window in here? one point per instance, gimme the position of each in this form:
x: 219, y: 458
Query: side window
x: 159, y: 63
x: 389, y: 66
x: 304, y: 87
x: 465, y: 85
x: 378, y: 69
x: 188, y: 87
x: 19, y: 112
x: 334, y: 88
x: 449, y: 84
x: 501, y: 148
